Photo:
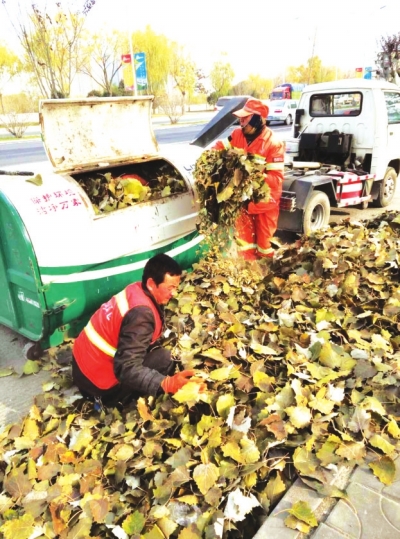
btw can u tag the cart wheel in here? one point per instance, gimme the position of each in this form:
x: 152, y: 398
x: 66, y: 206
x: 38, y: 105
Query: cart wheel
x: 316, y: 214
x: 32, y: 350
x: 387, y: 189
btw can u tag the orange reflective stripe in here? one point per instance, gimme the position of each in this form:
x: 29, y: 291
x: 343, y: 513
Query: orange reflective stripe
x: 275, y: 166
x: 122, y: 302
x: 98, y: 341
x: 265, y: 251
x: 260, y: 159
x: 95, y: 338
x: 249, y: 247
x: 226, y: 143
x: 242, y: 245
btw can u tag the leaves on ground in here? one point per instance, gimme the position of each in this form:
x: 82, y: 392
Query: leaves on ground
x: 384, y: 469
x: 31, y: 367
x: 299, y: 360
x: 6, y: 372
x: 301, y: 517
x: 302, y: 511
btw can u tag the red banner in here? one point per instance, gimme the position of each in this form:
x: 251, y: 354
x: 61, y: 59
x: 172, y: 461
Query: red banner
x: 126, y: 58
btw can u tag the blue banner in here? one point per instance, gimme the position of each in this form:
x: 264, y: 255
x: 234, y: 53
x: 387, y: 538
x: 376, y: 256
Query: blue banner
x: 140, y: 70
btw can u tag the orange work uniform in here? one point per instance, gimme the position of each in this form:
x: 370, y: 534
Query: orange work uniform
x: 257, y: 224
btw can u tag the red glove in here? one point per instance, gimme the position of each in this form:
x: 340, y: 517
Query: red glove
x: 171, y: 384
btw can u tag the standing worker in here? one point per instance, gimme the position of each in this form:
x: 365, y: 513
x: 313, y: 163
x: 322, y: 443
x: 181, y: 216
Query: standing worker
x: 114, y: 358
x: 257, y: 223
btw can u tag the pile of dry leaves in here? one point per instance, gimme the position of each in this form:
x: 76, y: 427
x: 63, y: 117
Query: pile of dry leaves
x: 301, y: 364
x: 226, y: 180
x: 108, y: 192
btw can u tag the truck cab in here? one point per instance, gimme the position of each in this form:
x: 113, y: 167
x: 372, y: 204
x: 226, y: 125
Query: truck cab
x: 366, y: 112
x: 346, y: 145
x: 284, y: 91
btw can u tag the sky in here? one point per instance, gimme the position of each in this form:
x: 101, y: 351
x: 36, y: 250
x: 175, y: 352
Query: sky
x: 259, y: 37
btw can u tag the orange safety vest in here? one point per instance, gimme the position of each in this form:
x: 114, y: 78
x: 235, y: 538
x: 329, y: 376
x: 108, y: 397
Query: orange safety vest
x: 96, y: 345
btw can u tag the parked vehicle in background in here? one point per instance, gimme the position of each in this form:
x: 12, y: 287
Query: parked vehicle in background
x: 287, y: 91
x: 283, y: 91
x: 282, y: 110
x: 345, y: 99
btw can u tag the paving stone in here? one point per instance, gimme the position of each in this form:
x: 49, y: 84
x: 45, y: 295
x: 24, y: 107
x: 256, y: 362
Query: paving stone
x: 343, y: 519
x: 18, y: 395
x: 11, y: 347
x: 364, y: 476
x: 393, y: 490
x: 377, y: 516
x: 391, y: 513
x: 274, y: 528
x: 17, y: 392
x: 325, y: 532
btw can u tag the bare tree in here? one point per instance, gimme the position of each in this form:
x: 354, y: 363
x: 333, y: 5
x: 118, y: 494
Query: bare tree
x: 388, y: 58
x: 170, y: 103
x: 14, y: 122
x: 183, y: 72
x: 52, y: 42
x: 103, y: 58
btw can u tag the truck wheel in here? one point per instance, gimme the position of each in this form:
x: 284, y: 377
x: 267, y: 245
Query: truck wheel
x: 316, y: 214
x: 288, y: 120
x: 387, y: 189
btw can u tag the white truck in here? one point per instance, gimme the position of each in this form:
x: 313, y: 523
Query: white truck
x: 345, y: 151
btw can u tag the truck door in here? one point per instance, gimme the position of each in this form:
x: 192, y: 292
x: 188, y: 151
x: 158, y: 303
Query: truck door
x: 392, y: 101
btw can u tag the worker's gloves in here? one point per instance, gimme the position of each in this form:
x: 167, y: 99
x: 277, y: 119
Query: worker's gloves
x: 171, y: 384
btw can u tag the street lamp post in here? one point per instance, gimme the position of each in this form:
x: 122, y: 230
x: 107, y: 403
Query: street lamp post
x: 312, y: 56
x: 133, y: 65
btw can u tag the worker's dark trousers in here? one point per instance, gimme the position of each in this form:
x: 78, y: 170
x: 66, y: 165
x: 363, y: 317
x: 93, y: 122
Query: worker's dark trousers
x: 158, y: 359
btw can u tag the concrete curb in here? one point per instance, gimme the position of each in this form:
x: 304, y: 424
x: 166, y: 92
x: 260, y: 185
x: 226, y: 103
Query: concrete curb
x: 274, y: 526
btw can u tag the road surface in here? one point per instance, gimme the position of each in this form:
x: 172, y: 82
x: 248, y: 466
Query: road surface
x: 32, y: 150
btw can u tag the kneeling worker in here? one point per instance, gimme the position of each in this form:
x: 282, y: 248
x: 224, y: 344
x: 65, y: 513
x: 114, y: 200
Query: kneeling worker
x: 113, y: 358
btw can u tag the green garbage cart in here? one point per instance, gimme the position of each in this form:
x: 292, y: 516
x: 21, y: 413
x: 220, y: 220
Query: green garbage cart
x: 62, y: 255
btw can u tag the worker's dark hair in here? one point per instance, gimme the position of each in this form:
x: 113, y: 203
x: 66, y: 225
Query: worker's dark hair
x: 257, y: 121
x: 158, y: 266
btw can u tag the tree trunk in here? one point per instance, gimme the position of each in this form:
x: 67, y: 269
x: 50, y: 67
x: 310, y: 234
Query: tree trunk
x: 183, y: 103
